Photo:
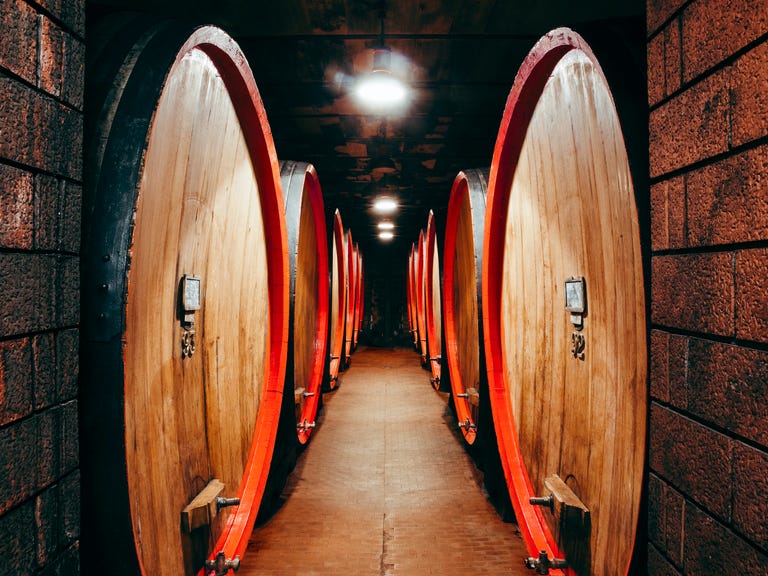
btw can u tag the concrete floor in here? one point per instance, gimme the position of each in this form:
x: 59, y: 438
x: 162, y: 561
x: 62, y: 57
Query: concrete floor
x: 385, y: 488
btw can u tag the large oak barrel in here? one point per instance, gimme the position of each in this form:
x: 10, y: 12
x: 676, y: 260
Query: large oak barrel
x: 308, y: 256
x: 462, y: 261
x: 564, y: 311
x: 185, y: 305
x: 421, y: 302
x: 432, y: 302
x: 338, y: 301
x: 359, y: 300
x: 350, y: 258
x: 411, y: 296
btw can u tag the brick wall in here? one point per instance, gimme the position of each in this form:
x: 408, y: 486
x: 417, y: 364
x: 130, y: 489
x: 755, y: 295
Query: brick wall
x: 708, y: 454
x: 41, y: 101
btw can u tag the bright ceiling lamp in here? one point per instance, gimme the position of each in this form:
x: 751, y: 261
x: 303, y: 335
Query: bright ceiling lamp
x: 380, y: 88
x: 386, y: 225
x: 386, y: 235
x: 385, y: 205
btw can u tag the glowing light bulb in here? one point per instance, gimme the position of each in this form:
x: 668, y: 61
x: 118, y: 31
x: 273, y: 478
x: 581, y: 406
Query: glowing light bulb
x: 386, y: 226
x: 386, y: 235
x: 381, y: 89
x: 385, y: 205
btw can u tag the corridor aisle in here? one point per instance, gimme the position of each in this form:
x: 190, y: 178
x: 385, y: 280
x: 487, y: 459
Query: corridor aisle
x: 385, y: 488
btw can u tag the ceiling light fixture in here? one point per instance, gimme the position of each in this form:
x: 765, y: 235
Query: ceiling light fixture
x: 386, y: 235
x: 380, y: 88
x: 386, y: 225
x: 385, y: 205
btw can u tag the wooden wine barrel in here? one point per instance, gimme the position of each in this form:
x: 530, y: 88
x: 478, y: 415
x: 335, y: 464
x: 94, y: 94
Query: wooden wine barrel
x: 338, y: 301
x: 411, y: 294
x: 350, y: 256
x: 308, y: 327
x: 359, y: 299
x: 421, y: 309
x: 462, y: 261
x: 185, y: 307
x: 433, y: 303
x: 564, y: 311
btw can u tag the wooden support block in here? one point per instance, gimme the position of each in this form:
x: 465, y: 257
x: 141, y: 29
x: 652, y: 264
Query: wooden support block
x: 202, y: 510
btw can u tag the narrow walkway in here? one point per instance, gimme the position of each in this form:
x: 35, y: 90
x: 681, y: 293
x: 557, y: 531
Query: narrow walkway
x: 385, y: 488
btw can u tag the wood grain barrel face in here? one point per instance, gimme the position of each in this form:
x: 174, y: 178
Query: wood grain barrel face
x: 414, y: 328
x: 308, y: 255
x: 421, y: 301
x: 572, y: 387
x: 338, y: 299
x: 350, y: 256
x: 207, y: 205
x: 359, y: 299
x: 463, y: 322
x: 433, y: 302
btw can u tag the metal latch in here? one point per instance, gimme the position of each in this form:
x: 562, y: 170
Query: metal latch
x: 220, y: 565
x: 543, y: 563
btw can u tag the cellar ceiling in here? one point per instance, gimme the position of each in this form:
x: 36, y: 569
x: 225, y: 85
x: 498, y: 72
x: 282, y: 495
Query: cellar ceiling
x: 458, y: 57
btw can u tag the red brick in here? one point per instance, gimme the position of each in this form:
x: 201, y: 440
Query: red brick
x: 71, y: 216
x: 678, y: 370
x: 659, y: 220
x: 70, y: 443
x: 18, y: 50
x: 676, y: 216
x: 37, y: 131
x: 749, y: 98
x: 67, y: 363
x: 694, y: 292
x: 675, y: 531
x: 657, y: 512
x: 47, y: 211
x: 711, y: 548
x: 728, y: 201
x: 26, y: 293
x: 71, y: 12
x: 728, y: 385
x: 713, y: 30
x: 750, y: 487
x: 68, y: 291
x: 70, y: 508
x: 62, y: 59
x: 659, y: 376
x: 690, y: 127
x: 18, y: 462
x: 693, y: 458
x: 47, y: 520
x: 658, y: 11
x: 657, y: 88
x: 44, y: 355
x: 15, y: 380
x: 658, y: 565
x: 16, y: 214
x: 17, y: 541
x: 751, y: 299
x: 665, y: 518
x: 672, y: 57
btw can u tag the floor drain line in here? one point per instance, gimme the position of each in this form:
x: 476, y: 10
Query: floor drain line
x: 387, y: 564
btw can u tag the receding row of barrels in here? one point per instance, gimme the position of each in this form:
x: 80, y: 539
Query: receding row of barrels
x: 544, y: 313
x: 209, y: 305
